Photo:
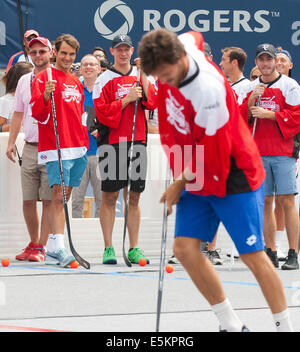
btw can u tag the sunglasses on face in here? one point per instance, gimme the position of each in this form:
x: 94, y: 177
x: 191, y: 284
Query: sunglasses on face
x: 28, y: 39
x: 253, y: 77
x: 40, y: 52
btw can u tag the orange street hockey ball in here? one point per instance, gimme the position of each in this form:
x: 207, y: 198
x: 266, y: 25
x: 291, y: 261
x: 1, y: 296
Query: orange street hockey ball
x: 5, y: 262
x: 169, y: 268
x: 74, y: 264
x: 142, y: 262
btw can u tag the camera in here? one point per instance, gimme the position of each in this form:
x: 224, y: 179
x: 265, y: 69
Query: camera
x: 76, y: 67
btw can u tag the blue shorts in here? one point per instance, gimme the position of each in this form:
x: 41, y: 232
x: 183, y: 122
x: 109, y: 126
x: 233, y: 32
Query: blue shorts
x: 280, y: 175
x: 242, y: 215
x: 72, y: 169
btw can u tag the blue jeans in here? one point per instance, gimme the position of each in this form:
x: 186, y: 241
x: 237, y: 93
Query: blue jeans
x: 280, y: 175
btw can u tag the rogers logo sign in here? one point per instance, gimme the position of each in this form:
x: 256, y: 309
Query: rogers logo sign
x: 205, y: 20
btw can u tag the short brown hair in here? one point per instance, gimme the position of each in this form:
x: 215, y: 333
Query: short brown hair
x: 158, y: 47
x: 98, y: 48
x: 13, y: 75
x: 69, y: 39
x: 238, y: 54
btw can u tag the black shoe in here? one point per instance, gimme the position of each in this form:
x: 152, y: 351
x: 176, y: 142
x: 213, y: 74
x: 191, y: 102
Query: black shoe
x: 291, y: 261
x: 273, y: 256
x: 244, y: 329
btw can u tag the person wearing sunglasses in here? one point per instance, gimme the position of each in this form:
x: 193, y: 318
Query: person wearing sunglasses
x: 23, y: 55
x: 35, y: 186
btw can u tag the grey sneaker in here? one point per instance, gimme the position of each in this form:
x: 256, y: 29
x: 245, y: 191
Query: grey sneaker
x: 173, y: 260
x: 214, y: 257
x: 59, y: 257
x: 291, y: 261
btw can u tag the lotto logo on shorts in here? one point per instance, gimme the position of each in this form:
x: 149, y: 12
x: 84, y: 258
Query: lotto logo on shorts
x: 251, y: 240
x: 43, y: 157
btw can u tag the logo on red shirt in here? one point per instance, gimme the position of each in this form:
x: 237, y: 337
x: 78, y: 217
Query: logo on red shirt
x: 71, y: 93
x: 176, y: 116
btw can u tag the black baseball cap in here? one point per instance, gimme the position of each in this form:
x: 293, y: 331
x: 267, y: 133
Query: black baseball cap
x: 207, y: 49
x: 266, y: 49
x: 121, y: 39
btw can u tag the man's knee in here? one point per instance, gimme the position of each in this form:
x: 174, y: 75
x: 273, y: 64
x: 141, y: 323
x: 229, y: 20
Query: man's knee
x: 109, y: 199
x: 286, y: 201
x: 134, y: 199
x: 256, y: 260
x: 29, y: 204
x: 46, y: 203
x: 182, y: 247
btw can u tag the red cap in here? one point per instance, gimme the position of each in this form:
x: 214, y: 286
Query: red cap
x: 42, y: 40
x: 30, y: 32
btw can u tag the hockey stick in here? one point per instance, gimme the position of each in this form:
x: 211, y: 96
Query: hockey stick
x: 162, y: 254
x: 21, y: 27
x: 19, y: 156
x: 129, y: 173
x: 79, y: 259
x: 255, y: 119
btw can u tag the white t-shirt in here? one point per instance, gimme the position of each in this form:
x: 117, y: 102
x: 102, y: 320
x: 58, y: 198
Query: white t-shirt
x: 240, y: 87
x: 22, y: 99
x: 7, y: 106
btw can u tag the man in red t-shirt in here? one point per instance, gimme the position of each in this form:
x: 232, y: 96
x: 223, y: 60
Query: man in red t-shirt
x: 221, y: 176
x: 73, y: 137
x: 115, y: 93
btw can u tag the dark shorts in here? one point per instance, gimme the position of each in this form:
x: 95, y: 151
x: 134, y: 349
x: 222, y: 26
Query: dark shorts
x: 114, y: 166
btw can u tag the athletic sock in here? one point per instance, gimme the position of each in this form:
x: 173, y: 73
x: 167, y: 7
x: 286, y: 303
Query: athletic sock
x: 55, y: 242
x: 283, y: 322
x: 227, y: 317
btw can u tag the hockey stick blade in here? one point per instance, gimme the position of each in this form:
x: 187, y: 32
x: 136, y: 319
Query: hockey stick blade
x: 78, y: 258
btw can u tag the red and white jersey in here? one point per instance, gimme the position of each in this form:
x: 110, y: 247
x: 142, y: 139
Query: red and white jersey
x: 277, y: 137
x: 71, y: 119
x: 109, y: 89
x: 203, y: 111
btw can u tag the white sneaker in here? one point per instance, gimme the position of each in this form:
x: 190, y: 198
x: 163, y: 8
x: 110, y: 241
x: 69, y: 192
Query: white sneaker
x: 59, y: 257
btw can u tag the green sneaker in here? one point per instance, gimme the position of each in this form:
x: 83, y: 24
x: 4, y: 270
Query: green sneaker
x: 109, y: 256
x: 135, y: 254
